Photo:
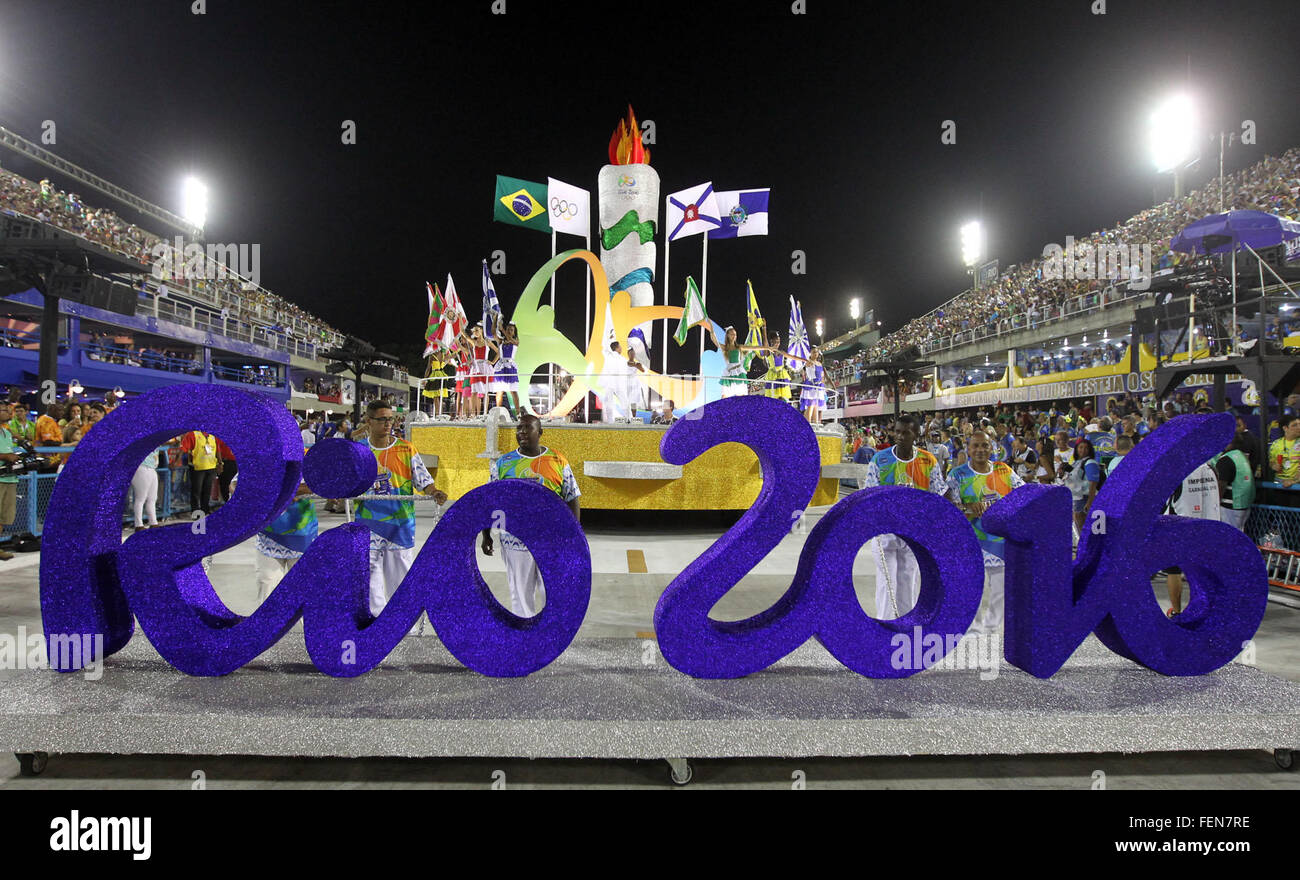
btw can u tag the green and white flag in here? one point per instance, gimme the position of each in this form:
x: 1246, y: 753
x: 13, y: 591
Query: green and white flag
x: 522, y: 203
x: 693, y: 313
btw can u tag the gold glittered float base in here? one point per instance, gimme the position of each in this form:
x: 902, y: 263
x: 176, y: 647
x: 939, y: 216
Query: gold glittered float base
x: 724, y: 478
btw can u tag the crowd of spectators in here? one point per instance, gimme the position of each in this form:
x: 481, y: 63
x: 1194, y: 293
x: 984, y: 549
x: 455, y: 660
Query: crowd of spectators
x: 1036, y: 427
x: 101, y: 346
x: 1024, y: 294
x: 1073, y: 359
x: 47, y: 204
x: 237, y: 299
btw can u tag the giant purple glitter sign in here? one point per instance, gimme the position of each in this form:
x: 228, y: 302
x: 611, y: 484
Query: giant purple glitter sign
x: 93, y: 582
x: 821, y: 600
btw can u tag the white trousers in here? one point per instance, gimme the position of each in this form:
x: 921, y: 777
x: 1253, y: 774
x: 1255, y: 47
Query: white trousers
x: 144, y: 486
x: 616, y: 403
x: 895, y: 565
x: 525, y: 580
x: 270, y: 571
x: 387, y: 568
x: 989, y: 618
x: 1234, y: 518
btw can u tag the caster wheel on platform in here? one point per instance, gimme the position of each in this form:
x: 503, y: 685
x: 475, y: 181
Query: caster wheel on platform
x: 1285, y: 758
x: 32, y: 763
x: 680, y: 771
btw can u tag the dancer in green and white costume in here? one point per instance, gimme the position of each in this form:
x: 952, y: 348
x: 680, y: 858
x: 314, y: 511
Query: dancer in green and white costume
x: 735, y: 379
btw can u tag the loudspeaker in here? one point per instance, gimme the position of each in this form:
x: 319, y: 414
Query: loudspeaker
x: 1179, y: 307
x: 99, y: 293
x: 1144, y: 321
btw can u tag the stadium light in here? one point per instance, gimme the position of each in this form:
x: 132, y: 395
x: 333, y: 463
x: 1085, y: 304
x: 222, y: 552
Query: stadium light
x: 855, y: 310
x: 194, y: 201
x: 972, y: 243
x: 819, y: 327
x: 1172, y: 132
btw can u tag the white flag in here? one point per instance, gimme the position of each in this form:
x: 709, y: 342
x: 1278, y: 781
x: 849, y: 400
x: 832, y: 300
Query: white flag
x: 693, y: 313
x: 692, y: 211
x: 743, y: 212
x: 569, y: 207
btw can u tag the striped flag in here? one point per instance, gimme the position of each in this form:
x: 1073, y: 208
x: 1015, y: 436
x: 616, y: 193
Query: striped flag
x: 431, y: 331
x: 693, y: 313
x: 798, y: 333
x: 454, y: 320
x: 757, y: 335
x: 743, y: 212
x: 491, y: 308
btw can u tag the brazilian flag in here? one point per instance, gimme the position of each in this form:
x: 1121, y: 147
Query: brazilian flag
x: 522, y: 203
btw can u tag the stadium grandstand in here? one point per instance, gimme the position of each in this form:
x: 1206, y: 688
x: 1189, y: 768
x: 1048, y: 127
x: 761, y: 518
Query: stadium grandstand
x: 248, y: 335
x: 1030, y: 357
x: 971, y: 336
x: 1023, y: 298
x: 250, y: 305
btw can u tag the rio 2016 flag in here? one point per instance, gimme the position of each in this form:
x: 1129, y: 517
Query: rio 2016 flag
x: 692, y: 211
x: 569, y: 207
x: 693, y: 313
x: 742, y: 212
x: 522, y: 203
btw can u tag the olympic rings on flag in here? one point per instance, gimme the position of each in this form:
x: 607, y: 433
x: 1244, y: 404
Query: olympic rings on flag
x: 563, y: 208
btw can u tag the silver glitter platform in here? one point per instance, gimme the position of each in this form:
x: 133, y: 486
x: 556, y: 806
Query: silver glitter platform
x: 615, y: 698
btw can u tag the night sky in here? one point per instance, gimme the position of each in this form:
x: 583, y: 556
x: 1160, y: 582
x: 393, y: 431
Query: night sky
x: 837, y: 110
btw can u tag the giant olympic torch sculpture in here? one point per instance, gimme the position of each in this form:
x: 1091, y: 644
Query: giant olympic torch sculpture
x: 623, y: 283
x: 628, y: 193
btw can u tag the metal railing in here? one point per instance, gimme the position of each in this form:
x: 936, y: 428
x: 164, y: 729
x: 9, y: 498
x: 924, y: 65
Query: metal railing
x: 246, y: 375
x: 1032, y: 320
x: 204, y: 289
x: 28, y: 340
x: 154, y: 360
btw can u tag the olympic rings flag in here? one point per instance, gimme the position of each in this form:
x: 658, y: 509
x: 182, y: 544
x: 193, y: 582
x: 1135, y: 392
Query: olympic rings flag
x: 569, y: 206
x: 94, y: 583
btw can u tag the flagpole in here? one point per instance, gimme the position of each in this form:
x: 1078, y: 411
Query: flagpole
x: 704, y: 297
x: 550, y: 368
x: 586, y: 398
x: 667, y: 245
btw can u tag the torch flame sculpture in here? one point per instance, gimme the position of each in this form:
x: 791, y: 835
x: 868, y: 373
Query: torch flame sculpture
x: 628, y: 193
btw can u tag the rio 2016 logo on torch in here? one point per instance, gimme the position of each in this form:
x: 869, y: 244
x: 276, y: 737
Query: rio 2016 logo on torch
x: 93, y: 582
